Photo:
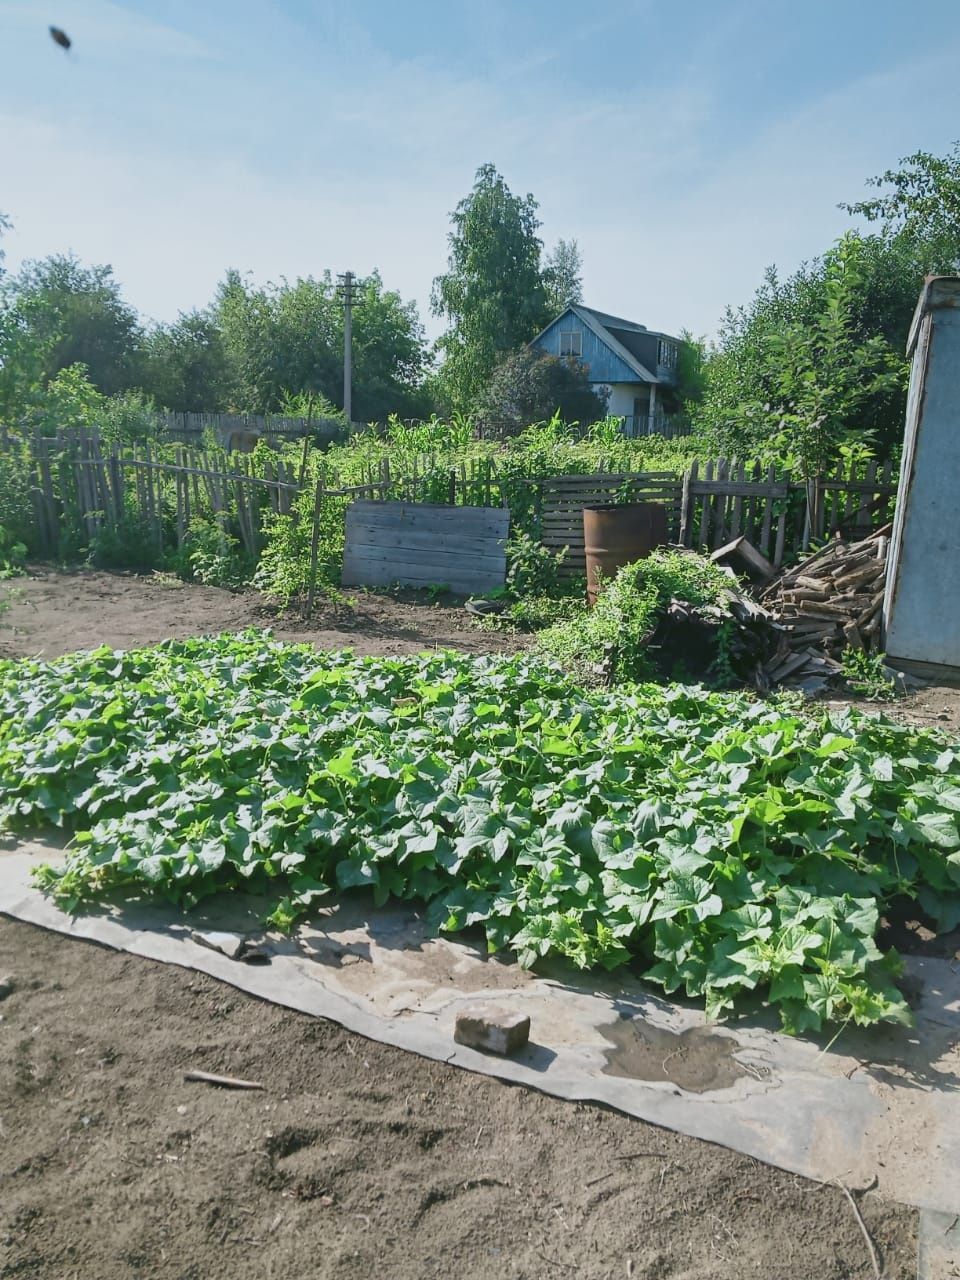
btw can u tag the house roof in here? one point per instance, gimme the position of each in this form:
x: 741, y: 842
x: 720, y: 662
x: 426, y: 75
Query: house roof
x: 623, y: 337
x: 612, y: 322
x: 616, y: 337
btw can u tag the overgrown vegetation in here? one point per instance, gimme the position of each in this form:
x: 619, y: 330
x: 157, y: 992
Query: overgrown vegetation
x: 531, y: 386
x: 812, y: 365
x: 12, y: 559
x: 608, y: 643
x: 724, y: 847
x: 421, y: 458
x: 866, y: 674
x: 441, y: 450
x: 816, y: 360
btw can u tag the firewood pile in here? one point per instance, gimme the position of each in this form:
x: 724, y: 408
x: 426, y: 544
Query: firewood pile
x: 831, y: 602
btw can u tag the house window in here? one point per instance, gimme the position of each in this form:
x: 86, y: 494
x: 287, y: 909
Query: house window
x: 571, y: 343
x: 667, y: 355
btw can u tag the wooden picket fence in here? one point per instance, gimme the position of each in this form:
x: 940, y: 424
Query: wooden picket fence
x: 563, y: 499
x: 165, y: 489
x: 109, y: 486
x: 779, y: 515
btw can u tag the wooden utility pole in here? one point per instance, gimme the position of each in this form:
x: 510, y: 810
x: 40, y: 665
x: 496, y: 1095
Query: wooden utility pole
x: 347, y: 290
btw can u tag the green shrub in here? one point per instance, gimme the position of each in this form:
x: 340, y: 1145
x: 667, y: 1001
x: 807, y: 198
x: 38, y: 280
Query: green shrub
x: 532, y: 569
x: 131, y: 544
x: 212, y: 556
x: 17, y: 516
x: 13, y: 555
x: 609, y: 640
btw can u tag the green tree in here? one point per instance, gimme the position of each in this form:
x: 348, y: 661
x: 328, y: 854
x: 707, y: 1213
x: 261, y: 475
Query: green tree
x: 59, y: 313
x: 185, y: 365
x: 280, y: 339
x: 66, y: 401
x: 286, y: 340
x: 815, y: 374
x: 562, y: 275
x: 493, y: 292
x: 919, y: 203
x: 389, y: 355
x: 530, y: 386
x: 882, y: 283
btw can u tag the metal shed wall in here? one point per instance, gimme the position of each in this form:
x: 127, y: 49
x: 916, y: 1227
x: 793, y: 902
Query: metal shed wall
x: 922, y: 604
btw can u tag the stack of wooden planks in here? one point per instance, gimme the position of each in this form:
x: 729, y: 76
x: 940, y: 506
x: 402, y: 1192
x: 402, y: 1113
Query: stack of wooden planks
x: 831, y: 602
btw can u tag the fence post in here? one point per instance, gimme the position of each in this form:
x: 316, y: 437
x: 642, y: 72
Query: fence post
x: 303, y: 461
x: 686, y: 503
x: 314, y: 550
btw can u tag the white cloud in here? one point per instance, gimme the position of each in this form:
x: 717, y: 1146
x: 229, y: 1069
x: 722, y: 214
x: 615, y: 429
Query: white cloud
x: 675, y: 260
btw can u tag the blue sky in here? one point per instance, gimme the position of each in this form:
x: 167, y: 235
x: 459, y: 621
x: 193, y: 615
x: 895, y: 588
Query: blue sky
x: 685, y: 144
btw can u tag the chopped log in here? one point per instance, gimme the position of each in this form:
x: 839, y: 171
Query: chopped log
x: 807, y: 626
x: 853, y: 563
x: 869, y: 612
x: 820, y: 585
x: 821, y: 609
x: 755, y: 564
x: 870, y: 573
x: 871, y: 627
x: 851, y: 633
x: 804, y: 593
x: 852, y: 603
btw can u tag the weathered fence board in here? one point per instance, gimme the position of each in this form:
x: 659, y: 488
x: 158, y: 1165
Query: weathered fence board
x: 385, y: 544
x: 564, y: 498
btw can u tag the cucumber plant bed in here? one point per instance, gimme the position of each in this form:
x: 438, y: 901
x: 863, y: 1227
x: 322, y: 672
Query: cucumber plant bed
x: 729, y: 849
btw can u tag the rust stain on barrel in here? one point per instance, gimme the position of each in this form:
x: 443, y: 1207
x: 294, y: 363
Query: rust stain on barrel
x: 618, y: 535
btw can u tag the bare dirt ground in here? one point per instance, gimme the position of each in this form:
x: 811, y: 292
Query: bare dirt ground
x: 53, y: 612
x: 359, y: 1160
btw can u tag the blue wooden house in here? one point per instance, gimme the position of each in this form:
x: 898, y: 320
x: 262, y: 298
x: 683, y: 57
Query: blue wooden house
x: 635, y: 367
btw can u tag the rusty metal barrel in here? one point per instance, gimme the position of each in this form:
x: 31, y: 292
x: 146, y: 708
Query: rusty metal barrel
x: 619, y: 535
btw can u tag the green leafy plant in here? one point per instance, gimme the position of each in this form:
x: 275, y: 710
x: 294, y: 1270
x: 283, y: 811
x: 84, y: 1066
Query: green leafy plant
x: 212, y: 556
x: 533, y: 569
x: 725, y: 847
x: 13, y: 555
x: 867, y: 675
x: 609, y: 641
